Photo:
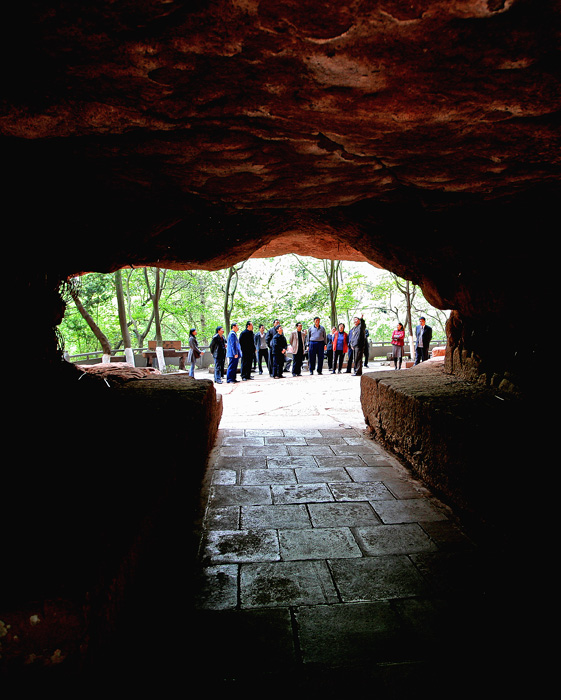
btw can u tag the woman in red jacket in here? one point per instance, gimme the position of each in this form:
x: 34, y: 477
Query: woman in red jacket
x: 340, y: 347
x: 398, y: 342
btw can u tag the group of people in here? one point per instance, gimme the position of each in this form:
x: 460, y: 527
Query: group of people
x: 282, y: 354
x: 423, y: 337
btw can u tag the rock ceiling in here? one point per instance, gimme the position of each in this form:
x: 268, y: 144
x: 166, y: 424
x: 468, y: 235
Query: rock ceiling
x: 196, y: 133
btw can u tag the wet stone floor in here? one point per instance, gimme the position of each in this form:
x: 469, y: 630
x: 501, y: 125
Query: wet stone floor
x: 322, y: 563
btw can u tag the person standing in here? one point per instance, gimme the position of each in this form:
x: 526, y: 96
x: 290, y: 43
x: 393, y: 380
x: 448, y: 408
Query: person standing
x: 278, y: 351
x: 247, y: 347
x: 297, y: 343
x: 366, y: 347
x: 398, y: 343
x: 194, y: 352
x: 329, y: 348
x: 423, y: 335
x: 340, y: 347
x: 350, y: 360
x: 261, y: 348
x: 317, y: 344
x: 356, y: 341
x: 233, y: 353
x: 218, y: 350
x: 271, y: 333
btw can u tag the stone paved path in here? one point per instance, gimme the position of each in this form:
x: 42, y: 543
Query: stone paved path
x: 322, y: 563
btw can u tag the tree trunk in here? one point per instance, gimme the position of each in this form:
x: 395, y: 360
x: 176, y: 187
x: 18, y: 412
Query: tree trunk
x: 229, y: 293
x: 129, y: 356
x: 105, y: 344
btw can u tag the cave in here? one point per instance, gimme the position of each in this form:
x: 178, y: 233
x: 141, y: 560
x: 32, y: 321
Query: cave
x: 422, y: 137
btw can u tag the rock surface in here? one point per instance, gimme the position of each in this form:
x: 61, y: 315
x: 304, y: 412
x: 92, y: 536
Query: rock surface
x: 420, y: 136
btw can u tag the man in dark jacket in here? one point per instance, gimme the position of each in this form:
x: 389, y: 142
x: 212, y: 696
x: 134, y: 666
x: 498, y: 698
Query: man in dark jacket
x: 356, y: 342
x: 271, y: 333
x: 247, y: 345
x: 423, y: 335
x: 218, y: 350
x: 278, y: 351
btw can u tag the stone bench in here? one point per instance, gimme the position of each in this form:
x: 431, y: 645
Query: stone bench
x: 84, y: 527
x: 456, y: 436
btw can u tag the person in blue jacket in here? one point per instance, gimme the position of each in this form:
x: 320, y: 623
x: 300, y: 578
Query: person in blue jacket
x: 233, y: 353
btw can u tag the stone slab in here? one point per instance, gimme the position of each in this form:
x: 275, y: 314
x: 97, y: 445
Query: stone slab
x: 275, y: 517
x: 377, y: 578
x: 301, y: 493
x: 342, y: 514
x: 409, y: 510
x: 286, y: 583
x: 237, y: 546
x: 394, y: 539
x: 319, y: 543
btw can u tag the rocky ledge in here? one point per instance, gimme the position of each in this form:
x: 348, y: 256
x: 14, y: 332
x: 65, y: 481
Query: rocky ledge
x: 455, y: 435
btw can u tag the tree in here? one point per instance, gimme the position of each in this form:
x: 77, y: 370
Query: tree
x: 99, y: 334
x: 229, y: 290
x: 129, y: 356
x: 332, y: 270
x: 155, y: 295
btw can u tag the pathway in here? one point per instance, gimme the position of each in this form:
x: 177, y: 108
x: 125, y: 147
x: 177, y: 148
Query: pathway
x: 323, y: 564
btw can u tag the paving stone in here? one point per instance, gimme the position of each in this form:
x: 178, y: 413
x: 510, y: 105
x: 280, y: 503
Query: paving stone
x: 362, y: 442
x: 263, y: 432
x: 240, y: 441
x: 342, y: 461
x: 325, y: 441
x: 447, y: 535
x: 285, y: 440
x: 222, y: 518
x: 404, y: 490
x: 296, y: 450
x: 339, y: 432
x: 267, y: 476
x: 302, y: 432
x: 319, y: 543
x: 360, y: 492
x: 350, y: 634
x: 277, y: 450
x: 364, y: 448
x: 290, y: 462
x: 224, y: 476
x: 308, y: 475
x: 218, y: 587
x: 301, y: 493
x: 342, y: 514
x: 394, y: 539
x: 286, y: 583
x: 366, y: 474
x: 229, y: 451
x: 237, y: 546
x: 377, y: 578
x: 240, y: 495
x: 408, y: 510
x: 239, y: 462
x: 275, y: 517
x: 373, y: 459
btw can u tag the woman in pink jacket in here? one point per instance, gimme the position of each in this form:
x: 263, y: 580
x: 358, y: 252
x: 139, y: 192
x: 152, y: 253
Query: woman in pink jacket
x: 340, y: 347
x: 398, y: 342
